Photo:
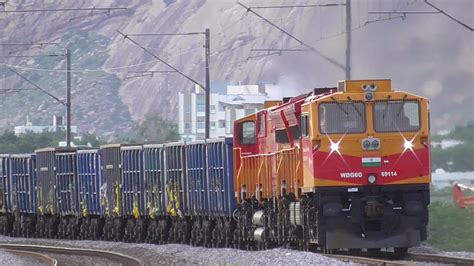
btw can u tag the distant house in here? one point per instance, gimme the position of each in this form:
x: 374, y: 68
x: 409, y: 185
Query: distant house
x: 227, y: 103
x: 57, y: 125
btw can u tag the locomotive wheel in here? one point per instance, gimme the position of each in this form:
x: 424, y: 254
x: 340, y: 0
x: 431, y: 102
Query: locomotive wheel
x: 84, y: 229
x: 128, y: 233
x: 17, y: 225
x: 107, y: 233
x: 195, y: 232
x: 373, y: 252
x: 140, y: 230
x: 97, y: 226
x: 208, y: 229
x: 151, y: 236
x: 164, y: 231
x: 118, y: 229
x: 400, y: 252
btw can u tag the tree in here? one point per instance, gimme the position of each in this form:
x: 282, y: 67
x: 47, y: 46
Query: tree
x: 27, y: 143
x: 155, y: 129
x: 91, y: 139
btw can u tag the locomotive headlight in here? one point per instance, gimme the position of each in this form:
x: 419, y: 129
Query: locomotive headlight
x: 334, y: 147
x: 366, y: 144
x: 408, y: 145
x: 372, y: 179
x: 369, y: 96
x: 375, y: 144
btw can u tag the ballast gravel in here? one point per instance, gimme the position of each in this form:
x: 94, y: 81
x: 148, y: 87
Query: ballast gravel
x: 7, y: 258
x: 176, y: 254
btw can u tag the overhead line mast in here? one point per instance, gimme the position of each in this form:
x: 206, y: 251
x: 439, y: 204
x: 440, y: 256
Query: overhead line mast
x: 206, y: 87
x: 67, y: 54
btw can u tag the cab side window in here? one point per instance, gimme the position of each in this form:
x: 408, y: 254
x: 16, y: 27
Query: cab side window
x: 305, y: 125
x: 261, y: 124
x: 247, y: 134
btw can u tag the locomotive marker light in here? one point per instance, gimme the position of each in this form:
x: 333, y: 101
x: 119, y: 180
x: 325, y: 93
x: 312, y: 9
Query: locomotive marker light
x: 369, y: 92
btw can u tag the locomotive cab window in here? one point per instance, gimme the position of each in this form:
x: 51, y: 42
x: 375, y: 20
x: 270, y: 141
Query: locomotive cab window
x: 261, y: 124
x: 342, y: 117
x: 247, y: 134
x: 305, y: 125
x: 281, y: 136
x: 396, y: 116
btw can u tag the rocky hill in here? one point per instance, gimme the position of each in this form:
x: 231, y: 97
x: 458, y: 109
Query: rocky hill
x: 429, y: 55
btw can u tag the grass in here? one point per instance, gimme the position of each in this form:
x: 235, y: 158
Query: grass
x: 450, y: 228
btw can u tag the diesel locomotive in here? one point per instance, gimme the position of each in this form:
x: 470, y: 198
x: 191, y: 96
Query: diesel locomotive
x: 337, y: 168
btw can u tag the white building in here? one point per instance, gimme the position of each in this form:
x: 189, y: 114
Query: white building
x: 227, y: 104
x: 57, y: 125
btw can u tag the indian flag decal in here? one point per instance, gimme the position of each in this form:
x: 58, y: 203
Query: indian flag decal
x: 371, y: 162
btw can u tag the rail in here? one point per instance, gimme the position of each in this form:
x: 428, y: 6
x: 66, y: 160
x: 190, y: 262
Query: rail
x: 385, y: 260
x: 366, y: 260
x: 110, y: 255
x: 35, y: 255
x: 439, y: 259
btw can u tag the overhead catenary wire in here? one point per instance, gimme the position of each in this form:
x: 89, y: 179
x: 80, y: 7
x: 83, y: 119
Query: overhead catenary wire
x: 297, y: 6
x: 161, y: 60
x: 61, y: 9
x: 331, y: 60
x: 403, y: 15
x: 449, y: 16
x: 37, y: 86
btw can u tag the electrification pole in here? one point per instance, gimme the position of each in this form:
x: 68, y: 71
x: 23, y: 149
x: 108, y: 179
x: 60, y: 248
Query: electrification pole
x: 207, y: 48
x: 208, y: 86
x: 348, y: 39
x: 68, y: 98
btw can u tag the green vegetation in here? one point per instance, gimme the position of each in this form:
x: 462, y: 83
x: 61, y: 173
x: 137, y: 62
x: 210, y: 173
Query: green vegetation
x: 155, y: 129
x: 459, y: 157
x: 27, y: 143
x: 450, y: 228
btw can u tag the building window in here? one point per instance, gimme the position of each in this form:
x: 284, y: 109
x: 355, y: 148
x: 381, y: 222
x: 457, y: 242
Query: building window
x: 200, y: 125
x: 212, y: 108
x: 222, y: 123
x: 213, y: 124
x: 187, y: 109
x: 249, y: 111
x: 200, y: 100
x: 200, y: 108
x: 187, y: 125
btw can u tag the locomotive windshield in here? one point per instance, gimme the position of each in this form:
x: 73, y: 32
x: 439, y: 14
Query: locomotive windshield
x: 342, y: 117
x: 396, y: 116
x: 247, y: 134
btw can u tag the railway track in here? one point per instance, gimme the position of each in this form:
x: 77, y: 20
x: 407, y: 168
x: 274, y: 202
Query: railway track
x: 407, y: 260
x: 45, y: 251
x: 37, y: 257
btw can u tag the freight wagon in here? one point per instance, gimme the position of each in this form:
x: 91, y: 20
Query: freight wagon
x: 57, y: 193
x: 111, y: 173
x: 23, y: 176
x: 91, y: 194
x: 6, y: 216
